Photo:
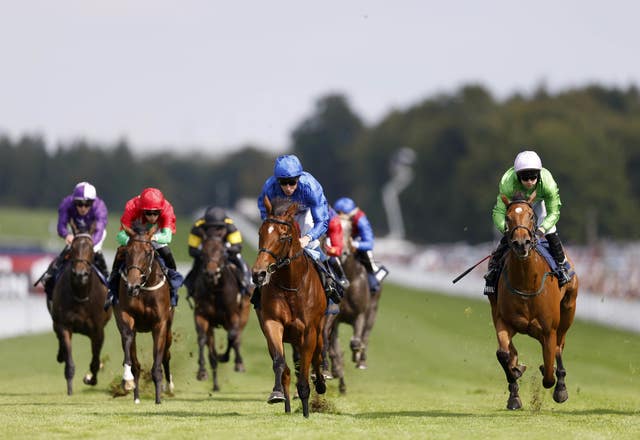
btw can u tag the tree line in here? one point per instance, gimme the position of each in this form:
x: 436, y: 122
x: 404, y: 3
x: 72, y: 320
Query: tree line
x: 589, y: 138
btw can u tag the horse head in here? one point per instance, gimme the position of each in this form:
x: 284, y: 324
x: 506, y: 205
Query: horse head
x: 139, y: 257
x: 81, y: 254
x: 278, y: 240
x: 521, y: 223
x: 347, y: 227
x: 213, y: 255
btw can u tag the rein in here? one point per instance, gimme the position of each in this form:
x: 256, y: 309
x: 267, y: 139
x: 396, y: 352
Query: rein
x: 88, y: 263
x: 522, y: 292
x: 145, y: 273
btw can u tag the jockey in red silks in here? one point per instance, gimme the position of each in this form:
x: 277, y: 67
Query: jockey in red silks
x: 333, y: 246
x: 362, y: 240
x: 150, y: 208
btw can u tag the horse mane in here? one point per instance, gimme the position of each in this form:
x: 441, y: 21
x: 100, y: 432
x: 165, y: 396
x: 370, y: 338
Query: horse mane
x: 280, y: 205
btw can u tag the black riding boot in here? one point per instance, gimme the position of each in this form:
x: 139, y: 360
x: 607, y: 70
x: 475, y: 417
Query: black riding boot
x: 495, y: 266
x: 167, y: 256
x: 175, y: 278
x: 113, y: 282
x: 336, y: 265
x: 101, y: 264
x: 555, y: 247
x: 332, y: 288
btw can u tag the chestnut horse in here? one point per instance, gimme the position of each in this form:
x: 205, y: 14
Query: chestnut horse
x: 293, y: 303
x: 144, y: 306
x: 78, y: 297
x: 218, y: 302
x: 354, y: 310
x: 529, y: 301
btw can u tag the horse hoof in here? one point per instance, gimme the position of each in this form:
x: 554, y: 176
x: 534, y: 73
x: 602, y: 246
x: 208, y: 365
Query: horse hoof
x: 560, y: 395
x: 514, y: 403
x: 137, y: 401
x: 90, y: 379
x: 202, y: 375
x: 128, y: 385
x: 239, y: 368
x: 224, y: 359
x: 361, y: 366
x: 276, y: 397
x: 321, y: 387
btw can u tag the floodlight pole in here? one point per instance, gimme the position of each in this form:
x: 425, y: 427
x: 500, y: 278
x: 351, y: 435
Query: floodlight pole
x: 401, y: 176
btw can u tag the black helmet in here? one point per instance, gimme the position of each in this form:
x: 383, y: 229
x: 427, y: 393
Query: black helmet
x: 214, y: 216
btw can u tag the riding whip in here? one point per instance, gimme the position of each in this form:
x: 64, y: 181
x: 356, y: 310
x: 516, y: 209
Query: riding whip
x: 470, y: 269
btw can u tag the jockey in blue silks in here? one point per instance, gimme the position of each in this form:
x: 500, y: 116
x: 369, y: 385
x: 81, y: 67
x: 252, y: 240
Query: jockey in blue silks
x: 291, y: 182
x: 362, y: 240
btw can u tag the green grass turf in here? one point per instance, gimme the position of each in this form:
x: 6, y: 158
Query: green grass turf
x: 432, y: 374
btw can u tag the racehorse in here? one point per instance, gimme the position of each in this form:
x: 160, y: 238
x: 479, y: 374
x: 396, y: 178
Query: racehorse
x: 354, y: 310
x: 293, y: 303
x: 218, y: 302
x: 530, y: 302
x: 143, y: 306
x: 78, y: 297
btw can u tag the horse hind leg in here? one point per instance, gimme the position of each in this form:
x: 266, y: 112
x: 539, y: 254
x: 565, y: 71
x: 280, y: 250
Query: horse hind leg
x: 166, y: 363
x: 202, y: 330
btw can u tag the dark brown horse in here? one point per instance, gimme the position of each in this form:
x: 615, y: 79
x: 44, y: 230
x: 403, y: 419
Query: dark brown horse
x: 354, y: 311
x: 293, y: 303
x: 530, y: 302
x: 78, y: 297
x: 218, y: 302
x: 144, y: 306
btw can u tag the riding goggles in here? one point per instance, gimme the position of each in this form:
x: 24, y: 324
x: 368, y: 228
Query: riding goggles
x: 288, y: 181
x: 528, y: 176
x: 152, y: 212
x: 83, y: 203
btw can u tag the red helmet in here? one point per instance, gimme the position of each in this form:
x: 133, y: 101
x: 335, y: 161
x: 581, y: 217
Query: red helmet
x: 151, y: 199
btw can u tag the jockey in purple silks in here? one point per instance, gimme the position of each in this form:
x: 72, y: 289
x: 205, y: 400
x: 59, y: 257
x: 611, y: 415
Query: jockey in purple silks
x: 84, y: 208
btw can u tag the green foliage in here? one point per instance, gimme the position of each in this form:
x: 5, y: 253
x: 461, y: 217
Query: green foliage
x: 432, y: 374
x: 589, y: 139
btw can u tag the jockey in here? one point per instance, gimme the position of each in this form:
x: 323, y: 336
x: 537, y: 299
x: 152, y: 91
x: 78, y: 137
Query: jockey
x: 362, y: 240
x: 291, y: 182
x: 149, y: 208
x: 84, y: 208
x: 527, y: 175
x: 333, y: 246
x: 217, y: 218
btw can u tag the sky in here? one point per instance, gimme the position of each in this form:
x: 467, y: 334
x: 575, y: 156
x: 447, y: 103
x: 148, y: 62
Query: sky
x: 214, y: 76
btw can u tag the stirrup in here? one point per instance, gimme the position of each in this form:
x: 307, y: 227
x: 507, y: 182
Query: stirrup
x: 381, y: 274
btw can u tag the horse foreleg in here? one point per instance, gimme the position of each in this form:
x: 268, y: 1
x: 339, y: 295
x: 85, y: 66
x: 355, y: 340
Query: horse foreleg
x: 127, y: 338
x: 97, y: 340
x: 372, y: 312
x: 548, y: 343
x: 213, y: 356
x: 319, y: 382
x: 135, y: 370
x: 356, y: 344
x: 273, y: 332
x: 327, y: 330
x: 64, y: 355
x: 504, y: 357
x: 159, y: 333
x: 337, y: 359
x: 560, y: 393
x: 202, y: 329
x: 233, y: 339
x: 166, y: 361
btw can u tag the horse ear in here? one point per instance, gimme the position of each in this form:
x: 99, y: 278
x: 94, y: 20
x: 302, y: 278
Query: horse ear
x: 504, y: 198
x: 267, y: 205
x: 292, y: 210
x: 130, y: 232
x: 532, y: 197
x: 152, y: 231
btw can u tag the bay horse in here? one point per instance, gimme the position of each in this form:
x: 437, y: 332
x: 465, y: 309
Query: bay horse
x: 293, y: 303
x: 354, y: 311
x: 144, y: 306
x: 218, y: 302
x: 529, y: 301
x: 78, y: 297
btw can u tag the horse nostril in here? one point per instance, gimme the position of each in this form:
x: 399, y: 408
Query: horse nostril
x: 258, y: 277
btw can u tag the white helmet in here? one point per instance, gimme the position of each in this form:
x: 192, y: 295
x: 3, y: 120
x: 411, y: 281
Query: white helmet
x: 527, y: 160
x: 84, y: 191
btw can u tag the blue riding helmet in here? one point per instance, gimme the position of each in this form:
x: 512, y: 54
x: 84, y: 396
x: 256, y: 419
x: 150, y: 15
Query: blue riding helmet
x: 287, y: 165
x: 344, y: 204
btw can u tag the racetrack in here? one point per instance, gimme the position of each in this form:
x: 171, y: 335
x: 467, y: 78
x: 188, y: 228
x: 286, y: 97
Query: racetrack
x: 433, y: 374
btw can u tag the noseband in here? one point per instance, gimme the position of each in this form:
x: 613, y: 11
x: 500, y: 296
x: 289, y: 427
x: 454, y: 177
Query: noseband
x: 82, y: 260
x: 283, y: 260
x: 143, y: 272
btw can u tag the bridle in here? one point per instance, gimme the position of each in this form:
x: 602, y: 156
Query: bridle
x: 530, y: 230
x: 205, y: 259
x: 144, y: 272
x: 88, y: 263
x: 284, y: 260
